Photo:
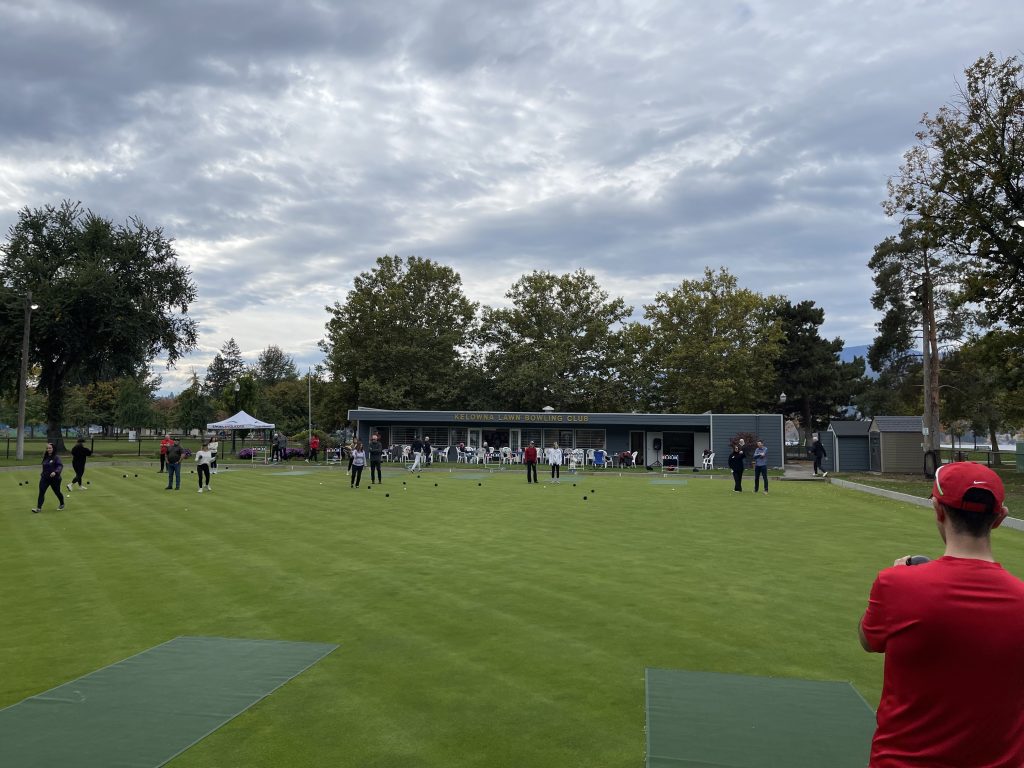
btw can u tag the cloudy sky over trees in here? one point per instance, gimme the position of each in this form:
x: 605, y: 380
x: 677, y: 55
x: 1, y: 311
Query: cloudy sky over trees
x: 286, y: 146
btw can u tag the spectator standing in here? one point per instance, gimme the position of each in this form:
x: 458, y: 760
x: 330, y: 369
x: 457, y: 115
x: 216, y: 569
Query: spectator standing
x: 428, y: 451
x: 555, y: 460
x: 214, y: 447
x: 164, y: 445
x: 376, y: 451
x: 204, y: 458
x: 78, y: 456
x: 818, y: 451
x: 530, y: 460
x: 314, y: 448
x: 417, y: 454
x: 174, y: 454
x: 952, y: 631
x: 282, y: 446
x: 50, y: 477
x: 761, y: 466
x: 736, y: 461
x: 358, y: 462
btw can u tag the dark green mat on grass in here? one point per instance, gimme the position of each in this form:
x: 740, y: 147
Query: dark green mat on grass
x: 708, y: 720
x: 144, y: 710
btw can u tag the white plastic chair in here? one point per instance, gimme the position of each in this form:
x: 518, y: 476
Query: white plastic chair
x: 709, y: 461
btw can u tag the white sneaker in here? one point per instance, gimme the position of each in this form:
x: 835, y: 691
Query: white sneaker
x: 200, y: 490
x: 209, y: 489
x: 69, y: 487
x: 824, y: 474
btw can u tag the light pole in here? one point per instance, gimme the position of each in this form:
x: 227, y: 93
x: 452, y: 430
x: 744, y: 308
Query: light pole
x: 234, y: 432
x: 23, y: 382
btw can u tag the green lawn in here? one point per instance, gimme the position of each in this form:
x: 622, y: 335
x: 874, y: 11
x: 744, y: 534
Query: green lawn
x: 482, y: 621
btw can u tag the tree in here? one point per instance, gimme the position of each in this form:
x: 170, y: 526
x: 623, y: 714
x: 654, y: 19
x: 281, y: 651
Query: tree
x: 273, y: 365
x: 225, y: 369
x: 193, y: 409
x: 809, y: 370
x: 398, y: 339
x: 111, y: 298
x: 716, y: 345
x: 967, y: 175
x: 555, y: 344
x: 134, y: 406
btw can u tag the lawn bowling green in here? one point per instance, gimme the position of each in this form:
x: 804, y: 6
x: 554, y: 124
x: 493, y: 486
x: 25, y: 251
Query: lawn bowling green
x: 479, y: 623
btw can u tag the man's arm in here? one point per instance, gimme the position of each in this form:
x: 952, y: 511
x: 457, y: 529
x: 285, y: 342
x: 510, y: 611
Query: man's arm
x: 863, y: 638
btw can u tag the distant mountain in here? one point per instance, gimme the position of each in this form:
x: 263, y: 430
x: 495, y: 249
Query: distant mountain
x: 849, y: 353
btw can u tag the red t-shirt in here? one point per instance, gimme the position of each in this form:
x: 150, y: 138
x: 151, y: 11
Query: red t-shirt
x: 953, y: 692
x: 530, y: 455
x: 314, y: 442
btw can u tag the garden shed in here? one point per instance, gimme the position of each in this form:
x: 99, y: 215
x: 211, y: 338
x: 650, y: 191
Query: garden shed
x: 850, y: 445
x: 895, y: 444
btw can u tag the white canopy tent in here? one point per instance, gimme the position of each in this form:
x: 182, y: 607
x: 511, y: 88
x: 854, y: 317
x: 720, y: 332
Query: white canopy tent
x: 240, y: 420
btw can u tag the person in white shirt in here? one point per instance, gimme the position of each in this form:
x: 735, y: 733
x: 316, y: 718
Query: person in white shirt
x: 204, y: 457
x: 214, y: 445
x: 555, y: 460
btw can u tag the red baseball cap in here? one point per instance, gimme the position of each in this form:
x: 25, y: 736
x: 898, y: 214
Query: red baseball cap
x: 952, y: 481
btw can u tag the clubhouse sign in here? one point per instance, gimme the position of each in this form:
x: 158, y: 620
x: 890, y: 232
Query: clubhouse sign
x: 523, y: 418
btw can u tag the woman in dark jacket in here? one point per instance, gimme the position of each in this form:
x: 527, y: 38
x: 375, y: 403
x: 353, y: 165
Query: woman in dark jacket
x: 736, y: 459
x: 78, y: 456
x: 50, y: 477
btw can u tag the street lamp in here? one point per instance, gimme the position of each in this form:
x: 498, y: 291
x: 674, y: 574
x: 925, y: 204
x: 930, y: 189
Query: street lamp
x: 23, y: 382
x: 234, y: 432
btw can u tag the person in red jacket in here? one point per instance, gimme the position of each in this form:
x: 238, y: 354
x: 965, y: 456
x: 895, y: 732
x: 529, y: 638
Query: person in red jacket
x: 530, y: 460
x: 164, y: 445
x: 952, y: 631
x: 314, y: 448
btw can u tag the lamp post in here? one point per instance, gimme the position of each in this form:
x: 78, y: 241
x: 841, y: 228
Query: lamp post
x: 23, y: 382
x: 234, y: 432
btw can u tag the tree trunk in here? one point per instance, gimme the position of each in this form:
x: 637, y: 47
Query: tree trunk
x: 54, y: 414
x: 996, y: 461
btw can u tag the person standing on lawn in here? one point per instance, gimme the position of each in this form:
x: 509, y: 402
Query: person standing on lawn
x: 78, y: 456
x: 174, y: 454
x: 214, y: 446
x: 952, y: 631
x: 761, y: 466
x: 555, y: 459
x: 164, y: 445
x: 530, y: 460
x: 314, y: 448
x: 204, y: 458
x: 376, y: 451
x: 736, y: 462
x: 358, y: 462
x: 50, y: 477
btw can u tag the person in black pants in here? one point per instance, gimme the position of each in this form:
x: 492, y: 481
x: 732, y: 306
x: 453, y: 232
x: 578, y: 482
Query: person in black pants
x: 736, y: 459
x: 78, y: 456
x: 376, y: 451
x: 530, y: 460
x: 50, y: 477
x: 818, y: 450
x: 358, y: 462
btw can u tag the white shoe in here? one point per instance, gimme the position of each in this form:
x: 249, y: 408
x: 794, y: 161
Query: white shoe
x: 69, y: 487
x: 824, y: 474
x: 200, y: 490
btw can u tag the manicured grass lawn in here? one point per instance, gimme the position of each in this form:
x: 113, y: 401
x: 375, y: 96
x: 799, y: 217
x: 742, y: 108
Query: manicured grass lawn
x: 917, y: 485
x: 482, y: 621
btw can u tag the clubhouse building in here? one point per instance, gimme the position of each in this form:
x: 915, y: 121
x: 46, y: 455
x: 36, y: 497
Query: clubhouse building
x: 656, y: 438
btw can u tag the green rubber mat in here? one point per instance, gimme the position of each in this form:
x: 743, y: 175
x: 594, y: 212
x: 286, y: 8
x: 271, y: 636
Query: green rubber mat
x: 143, y: 711
x: 708, y: 720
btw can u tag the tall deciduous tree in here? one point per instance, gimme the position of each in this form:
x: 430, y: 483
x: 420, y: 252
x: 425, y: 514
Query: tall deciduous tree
x: 397, y: 341
x: 111, y: 298
x: 966, y: 174
x: 716, y: 345
x: 273, y: 365
x: 554, y: 345
x: 192, y: 407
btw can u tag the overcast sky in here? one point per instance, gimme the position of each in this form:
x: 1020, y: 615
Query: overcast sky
x: 286, y: 145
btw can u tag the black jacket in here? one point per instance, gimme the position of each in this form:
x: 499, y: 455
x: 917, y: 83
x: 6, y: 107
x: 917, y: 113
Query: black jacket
x: 736, y: 460
x: 79, y: 454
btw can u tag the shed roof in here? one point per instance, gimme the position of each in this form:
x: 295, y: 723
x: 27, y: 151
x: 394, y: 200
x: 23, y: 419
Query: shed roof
x: 898, y: 423
x: 850, y: 428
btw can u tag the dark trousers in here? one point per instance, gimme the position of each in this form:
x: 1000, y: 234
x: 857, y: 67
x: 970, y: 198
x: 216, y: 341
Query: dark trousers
x: 49, y: 482
x: 203, y: 470
x: 313, y: 454
x: 357, y: 473
x: 173, y: 475
x: 554, y: 471
x: 213, y: 463
x: 817, y: 463
x: 374, y: 470
x: 737, y: 476
x: 163, y: 461
x: 531, y: 471
x: 760, y: 472
x: 79, y: 471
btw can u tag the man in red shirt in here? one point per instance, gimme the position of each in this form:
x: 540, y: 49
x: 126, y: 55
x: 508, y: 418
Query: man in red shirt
x: 530, y: 460
x: 952, y: 631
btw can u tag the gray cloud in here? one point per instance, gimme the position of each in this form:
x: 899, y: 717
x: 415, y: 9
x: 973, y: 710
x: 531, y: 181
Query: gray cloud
x: 288, y: 145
